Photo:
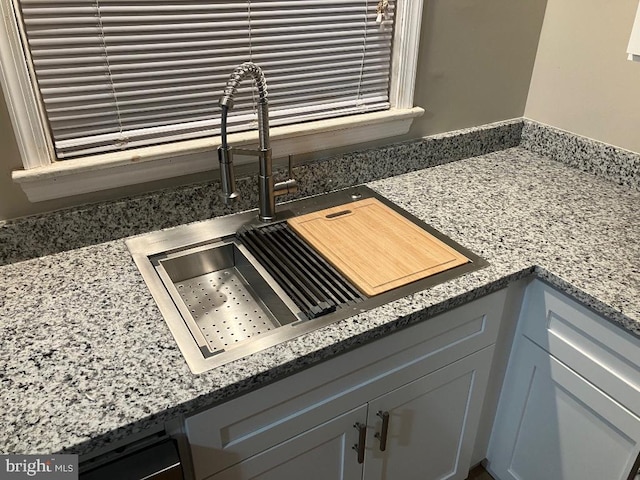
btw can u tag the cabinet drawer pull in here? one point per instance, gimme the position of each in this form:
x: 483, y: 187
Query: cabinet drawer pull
x: 382, y: 435
x: 362, y: 438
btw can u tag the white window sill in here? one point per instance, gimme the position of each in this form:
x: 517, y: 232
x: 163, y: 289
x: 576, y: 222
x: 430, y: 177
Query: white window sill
x: 73, y: 177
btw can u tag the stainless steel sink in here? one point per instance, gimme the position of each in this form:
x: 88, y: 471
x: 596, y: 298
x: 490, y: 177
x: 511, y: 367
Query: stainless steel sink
x: 224, y: 297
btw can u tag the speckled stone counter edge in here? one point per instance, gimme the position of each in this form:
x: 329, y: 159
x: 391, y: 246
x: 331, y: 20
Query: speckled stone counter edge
x: 613, y: 163
x: 54, y: 232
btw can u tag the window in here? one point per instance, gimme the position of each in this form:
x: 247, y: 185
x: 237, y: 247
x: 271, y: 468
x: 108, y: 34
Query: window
x: 126, y: 91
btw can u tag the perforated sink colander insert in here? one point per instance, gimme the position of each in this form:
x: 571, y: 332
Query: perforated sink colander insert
x: 222, y: 295
x: 224, y: 308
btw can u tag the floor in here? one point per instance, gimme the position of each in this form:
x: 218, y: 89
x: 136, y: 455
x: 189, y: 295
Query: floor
x: 479, y: 473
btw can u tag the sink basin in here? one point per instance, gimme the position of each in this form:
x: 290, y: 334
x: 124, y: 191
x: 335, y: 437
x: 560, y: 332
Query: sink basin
x: 223, y: 295
x: 232, y: 286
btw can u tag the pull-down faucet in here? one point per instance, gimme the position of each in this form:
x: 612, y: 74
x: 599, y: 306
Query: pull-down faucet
x: 266, y: 188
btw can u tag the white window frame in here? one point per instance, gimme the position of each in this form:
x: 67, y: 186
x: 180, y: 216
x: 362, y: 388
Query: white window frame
x: 43, y: 178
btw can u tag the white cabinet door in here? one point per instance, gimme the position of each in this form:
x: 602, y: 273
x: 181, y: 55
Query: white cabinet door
x: 552, y: 424
x: 325, y: 452
x: 432, y: 423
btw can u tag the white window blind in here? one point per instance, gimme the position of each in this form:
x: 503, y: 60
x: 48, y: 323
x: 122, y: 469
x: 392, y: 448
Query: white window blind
x: 119, y: 74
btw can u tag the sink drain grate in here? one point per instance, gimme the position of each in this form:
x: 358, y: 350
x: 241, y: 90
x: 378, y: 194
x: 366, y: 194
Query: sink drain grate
x: 310, y: 281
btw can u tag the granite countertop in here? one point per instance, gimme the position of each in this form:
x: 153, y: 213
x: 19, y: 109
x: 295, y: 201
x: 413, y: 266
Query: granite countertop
x: 87, y: 359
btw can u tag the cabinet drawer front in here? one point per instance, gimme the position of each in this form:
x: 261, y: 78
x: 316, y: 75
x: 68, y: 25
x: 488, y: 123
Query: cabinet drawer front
x: 235, y: 430
x: 600, y: 351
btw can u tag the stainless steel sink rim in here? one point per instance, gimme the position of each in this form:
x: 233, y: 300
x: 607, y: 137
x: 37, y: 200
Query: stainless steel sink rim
x: 203, y: 352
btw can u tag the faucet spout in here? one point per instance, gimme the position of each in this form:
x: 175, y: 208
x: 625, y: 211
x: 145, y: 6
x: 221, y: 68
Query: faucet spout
x: 267, y: 189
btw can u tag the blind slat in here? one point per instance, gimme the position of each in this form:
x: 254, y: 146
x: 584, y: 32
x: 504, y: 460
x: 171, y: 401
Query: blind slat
x: 301, y: 40
x: 61, y: 16
x: 292, y: 50
x: 328, y: 90
x: 188, y: 81
x: 151, y: 73
x: 106, y: 124
x: 234, y: 120
x: 312, y: 57
x: 82, y: 112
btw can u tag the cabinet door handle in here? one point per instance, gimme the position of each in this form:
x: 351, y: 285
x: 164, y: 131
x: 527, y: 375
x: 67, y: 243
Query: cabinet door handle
x: 382, y: 435
x: 362, y: 438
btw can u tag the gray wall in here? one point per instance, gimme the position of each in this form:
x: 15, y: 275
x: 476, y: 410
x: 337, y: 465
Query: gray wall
x: 476, y: 59
x: 582, y: 81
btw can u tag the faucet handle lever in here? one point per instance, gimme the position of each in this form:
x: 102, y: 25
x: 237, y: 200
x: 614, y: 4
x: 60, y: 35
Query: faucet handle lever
x: 288, y: 186
x: 285, y: 187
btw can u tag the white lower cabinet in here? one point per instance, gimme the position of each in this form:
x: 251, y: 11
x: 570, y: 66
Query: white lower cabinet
x: 419, y: 431
x: 326, y: 422
x: 570, y: 402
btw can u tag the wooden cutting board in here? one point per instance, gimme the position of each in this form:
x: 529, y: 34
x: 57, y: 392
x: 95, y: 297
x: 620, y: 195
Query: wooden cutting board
x: 373, y: 246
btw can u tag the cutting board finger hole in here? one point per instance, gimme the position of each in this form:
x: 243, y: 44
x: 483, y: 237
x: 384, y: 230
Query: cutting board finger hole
x: 338, y: 214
